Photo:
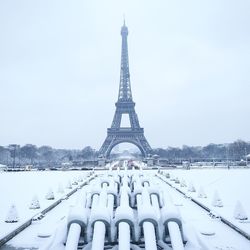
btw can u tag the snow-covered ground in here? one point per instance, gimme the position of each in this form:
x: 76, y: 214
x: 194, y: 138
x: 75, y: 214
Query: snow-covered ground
x: 231, y: 185
x: 212, y: 231
x: 19, y: 188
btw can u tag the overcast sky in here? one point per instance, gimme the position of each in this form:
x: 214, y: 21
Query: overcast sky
x: 60, y: 66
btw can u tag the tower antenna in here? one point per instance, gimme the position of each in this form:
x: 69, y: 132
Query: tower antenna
x: 124, y: 24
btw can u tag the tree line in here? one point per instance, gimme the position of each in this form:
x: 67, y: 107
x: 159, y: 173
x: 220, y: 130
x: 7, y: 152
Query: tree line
x: 29, y: 154
x: 234, y: 151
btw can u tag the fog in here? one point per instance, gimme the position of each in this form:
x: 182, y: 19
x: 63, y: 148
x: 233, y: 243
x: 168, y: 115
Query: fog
x: 60, y: 66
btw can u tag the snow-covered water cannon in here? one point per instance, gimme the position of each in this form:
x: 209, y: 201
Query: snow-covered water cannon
x: 138, y: 215
x: 172, y: 225
x: 112, y: 190
x: 135, y: 179
x: 155, y: 195
x: 137, y: 190
x: 108, y: 183
x: 100, y: 219
x: 95, y: 191
x: 145, y: 181
x: 147, y: 219
x: 125, y: 180
x: 124, y: 220
x: 105, y: 180
x: 116, y: 178
x: 125, y: 187
x: 77, y: 223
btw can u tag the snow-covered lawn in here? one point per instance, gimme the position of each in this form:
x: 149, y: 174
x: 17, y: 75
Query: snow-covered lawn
x: 19, y: 188
x: 231, y: 185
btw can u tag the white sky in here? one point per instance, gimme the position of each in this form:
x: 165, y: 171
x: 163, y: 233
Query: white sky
x: 60, y: 66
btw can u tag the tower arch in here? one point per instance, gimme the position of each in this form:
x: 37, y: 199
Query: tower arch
x: 144, y: 154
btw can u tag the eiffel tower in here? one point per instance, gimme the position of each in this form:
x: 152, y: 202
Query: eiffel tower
x: 125, y: 105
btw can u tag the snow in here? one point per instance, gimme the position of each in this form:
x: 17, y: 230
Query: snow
x: 175, y: 235
x: 50, y: 195
x: 201, y: 193
x: 231, y: 185
x: 124, y: 213
x: 12, y: 215
x: 20, y: 189
x: 196, y: 221
x: 73, y: 236
x: 217, y: 202
x: 35, y: 204
x: 191, y: 187
x: 239, y: 212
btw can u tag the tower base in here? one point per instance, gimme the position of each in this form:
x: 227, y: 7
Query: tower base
x: 121, y: 135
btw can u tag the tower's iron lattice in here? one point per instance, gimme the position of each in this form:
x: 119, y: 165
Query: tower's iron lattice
x: 125, y: 105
